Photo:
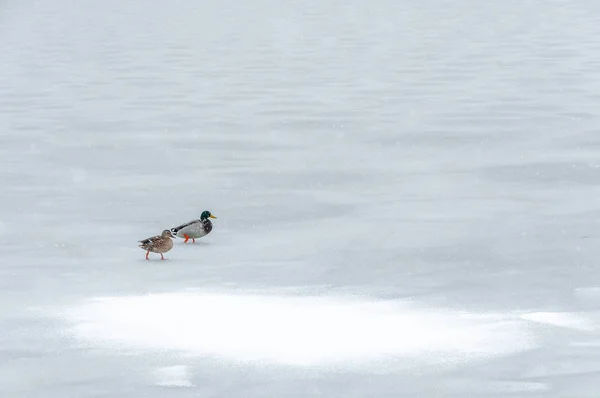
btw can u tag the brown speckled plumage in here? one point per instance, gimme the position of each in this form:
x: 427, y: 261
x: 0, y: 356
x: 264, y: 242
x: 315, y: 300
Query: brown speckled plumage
x: 158, y: 244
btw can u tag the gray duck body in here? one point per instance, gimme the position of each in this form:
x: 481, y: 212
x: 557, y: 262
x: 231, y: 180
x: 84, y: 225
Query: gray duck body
x: 193, y: 229
x: 196, y: 228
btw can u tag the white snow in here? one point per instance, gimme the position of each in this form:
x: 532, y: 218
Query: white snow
x: 304, y: 331
x: 562, y: 319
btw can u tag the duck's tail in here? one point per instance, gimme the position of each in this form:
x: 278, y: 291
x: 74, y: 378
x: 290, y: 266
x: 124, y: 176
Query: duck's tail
x: 145, y: 243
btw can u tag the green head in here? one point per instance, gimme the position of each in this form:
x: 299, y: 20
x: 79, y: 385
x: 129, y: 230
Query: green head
x: 206, y: 215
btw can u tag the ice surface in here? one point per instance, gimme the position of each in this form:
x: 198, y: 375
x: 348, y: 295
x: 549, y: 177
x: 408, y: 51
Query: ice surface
x: 300, y: 331
x: 173, y: 376
x: 431, y: 168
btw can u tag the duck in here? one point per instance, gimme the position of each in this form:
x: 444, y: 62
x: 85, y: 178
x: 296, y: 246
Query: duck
x: 158, y: 244
x: 196, y: 228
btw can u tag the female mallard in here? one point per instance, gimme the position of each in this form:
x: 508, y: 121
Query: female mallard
x: 158, y: 244
x: 196, y: 228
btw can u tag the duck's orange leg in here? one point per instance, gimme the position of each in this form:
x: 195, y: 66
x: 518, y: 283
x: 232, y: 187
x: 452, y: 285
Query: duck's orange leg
x: 148, y: 252
x: 187, y: 237
x: 161, y: 256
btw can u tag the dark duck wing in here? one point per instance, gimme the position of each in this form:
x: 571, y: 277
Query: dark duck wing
x: 148, y: 241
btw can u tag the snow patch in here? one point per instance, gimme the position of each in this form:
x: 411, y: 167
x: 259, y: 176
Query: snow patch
x: 562, y: 319
x: 296, y: 330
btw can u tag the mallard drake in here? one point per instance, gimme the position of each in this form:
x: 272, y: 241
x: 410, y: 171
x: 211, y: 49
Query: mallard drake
x: 158, y: 244
x: 196, y: 228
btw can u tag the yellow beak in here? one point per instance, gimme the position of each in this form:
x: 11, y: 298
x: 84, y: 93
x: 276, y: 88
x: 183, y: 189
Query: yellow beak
x: 211, y: 216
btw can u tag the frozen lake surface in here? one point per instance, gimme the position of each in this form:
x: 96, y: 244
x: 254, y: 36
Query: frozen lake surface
x: 406, y: 192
